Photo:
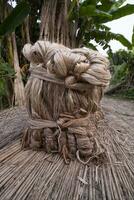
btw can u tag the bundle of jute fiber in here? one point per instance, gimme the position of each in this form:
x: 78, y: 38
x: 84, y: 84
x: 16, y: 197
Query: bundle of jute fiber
x: 63, y: 96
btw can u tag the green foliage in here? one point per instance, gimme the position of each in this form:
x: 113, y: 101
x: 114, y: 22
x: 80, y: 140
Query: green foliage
x: 15, y: 18
x: 117, y: 4
x: 122, y: 56
x: 6, y: 75
x: 122, y: 64
x: 103, y: 37
x: 119, y: 73
x: 3, y: 87
x: 122, y: 68
x: 128, y: 93
x: 92, y: 14
x: 116, y: 12
x: 6, y: 70
x: 125, y: 93
x: 133, y: 38
x: 106, y: 5
x: 122, y: 11
x: 91, y: 11
x: 91, y: 46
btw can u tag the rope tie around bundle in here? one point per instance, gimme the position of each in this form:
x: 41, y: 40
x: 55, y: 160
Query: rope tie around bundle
x: 63, y: 96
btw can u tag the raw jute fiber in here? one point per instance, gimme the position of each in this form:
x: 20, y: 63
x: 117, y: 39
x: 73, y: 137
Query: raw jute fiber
x: 63, y: 96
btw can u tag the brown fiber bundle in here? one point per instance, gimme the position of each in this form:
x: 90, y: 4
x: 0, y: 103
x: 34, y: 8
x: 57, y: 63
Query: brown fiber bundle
x: 62, y: 97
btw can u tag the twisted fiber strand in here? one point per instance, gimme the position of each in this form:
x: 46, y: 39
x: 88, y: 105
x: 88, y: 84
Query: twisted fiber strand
x: 62, y: 97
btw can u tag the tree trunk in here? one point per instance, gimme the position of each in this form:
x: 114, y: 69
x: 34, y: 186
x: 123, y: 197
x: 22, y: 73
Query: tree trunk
x: 55, y: 24
x: 18, y: 83
x: 27, y: 29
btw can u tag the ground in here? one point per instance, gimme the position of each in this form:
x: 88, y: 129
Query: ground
x: 120, y: 113
x: 32, y: 175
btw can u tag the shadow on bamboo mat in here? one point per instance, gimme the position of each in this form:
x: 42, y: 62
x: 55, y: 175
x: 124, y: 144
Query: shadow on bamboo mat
x: 34, y: 175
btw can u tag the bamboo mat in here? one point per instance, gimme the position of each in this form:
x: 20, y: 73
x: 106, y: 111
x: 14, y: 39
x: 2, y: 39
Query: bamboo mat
x: 35, y: 175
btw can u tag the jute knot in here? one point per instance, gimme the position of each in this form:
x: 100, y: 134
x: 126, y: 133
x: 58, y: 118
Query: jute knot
x: 85, y: 65
x: 63, y: 97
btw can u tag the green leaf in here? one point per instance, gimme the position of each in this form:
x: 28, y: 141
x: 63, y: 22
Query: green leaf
x: 87, y: 10
x: 100, y: 13
x: 107, y: 1
x: 106, y: 5
x: 89, y: 2
x: 117, y: 13
x: 15, y: 18
x: 123, y: 40
x: 6, y: 70
x: 91, y: 46
x: 117, y: 4
x: 133, y: 37
x: 123, y: 11
x: 91, y: 10
x: 3, y: 87
x: 103, y: 37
